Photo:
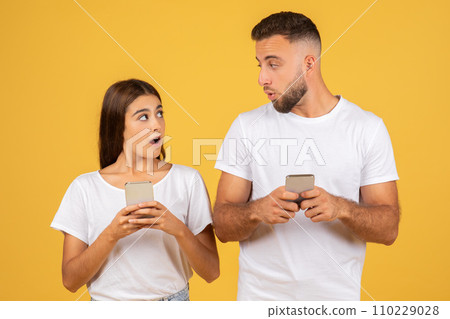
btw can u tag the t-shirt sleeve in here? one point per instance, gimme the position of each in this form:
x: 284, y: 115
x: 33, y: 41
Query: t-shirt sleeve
x: 233, y: 157
x: 379, y: 163
x: 71, y: 216
x: 199, y: 212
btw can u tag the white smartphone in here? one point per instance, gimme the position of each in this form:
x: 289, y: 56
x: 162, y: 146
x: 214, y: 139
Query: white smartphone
x: 298, y: 184
x: 138, y: 192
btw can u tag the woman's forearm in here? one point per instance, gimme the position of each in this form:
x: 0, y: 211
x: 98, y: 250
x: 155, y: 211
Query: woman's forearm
x: 204, y: 260
x: 80, y: 269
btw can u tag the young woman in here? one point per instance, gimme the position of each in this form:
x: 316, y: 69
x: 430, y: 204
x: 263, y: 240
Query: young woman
x: 143, y: 251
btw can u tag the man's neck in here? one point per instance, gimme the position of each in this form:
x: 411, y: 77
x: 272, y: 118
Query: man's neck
x: 316, y: 102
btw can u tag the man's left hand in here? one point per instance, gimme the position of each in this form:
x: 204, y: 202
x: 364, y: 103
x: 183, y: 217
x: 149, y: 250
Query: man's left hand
x: 321, y: 205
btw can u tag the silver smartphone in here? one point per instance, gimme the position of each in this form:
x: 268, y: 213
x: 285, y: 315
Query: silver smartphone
x: 138, y: 192
x: 298, y: 184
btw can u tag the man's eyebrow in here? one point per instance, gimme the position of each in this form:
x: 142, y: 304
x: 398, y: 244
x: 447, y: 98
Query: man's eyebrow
x: 270, y: 57
x: 146, y: 110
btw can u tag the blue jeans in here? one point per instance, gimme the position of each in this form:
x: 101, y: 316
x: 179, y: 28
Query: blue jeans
x: 182, y: 295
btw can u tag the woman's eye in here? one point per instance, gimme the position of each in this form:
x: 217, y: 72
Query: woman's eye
x: 143, y: 117
x: 273, y: 65
x: 160, y: 114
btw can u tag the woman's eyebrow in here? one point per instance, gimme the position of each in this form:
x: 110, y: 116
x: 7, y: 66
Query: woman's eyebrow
x: 146, y: 110
x: 141, y: 110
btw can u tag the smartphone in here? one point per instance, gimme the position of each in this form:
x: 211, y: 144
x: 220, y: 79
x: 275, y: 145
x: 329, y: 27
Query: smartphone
x: 139, y: 192
x: 298, y: 184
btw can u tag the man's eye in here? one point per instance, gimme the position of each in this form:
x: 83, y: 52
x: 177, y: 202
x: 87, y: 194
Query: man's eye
x: 273, y: 65
x: 141, y: 118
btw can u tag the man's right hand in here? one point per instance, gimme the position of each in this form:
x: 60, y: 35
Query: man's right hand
x: 236, y: 216
x: 275, y: 207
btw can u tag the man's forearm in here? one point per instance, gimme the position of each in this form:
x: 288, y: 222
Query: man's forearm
x: 377, y: 224
x: 235, y: 222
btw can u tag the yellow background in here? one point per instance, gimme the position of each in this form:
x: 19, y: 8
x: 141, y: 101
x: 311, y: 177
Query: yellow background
x: 56, y: 65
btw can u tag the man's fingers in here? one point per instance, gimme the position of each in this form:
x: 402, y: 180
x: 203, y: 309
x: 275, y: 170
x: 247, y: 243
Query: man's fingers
x: 289, y: 195
x: 291, y: 206
x: 286, y: 214
x: 278, y: 220
x: 318, y: 218
x: 311, y: 212
x: 312, y: 193
x: 307, y: 203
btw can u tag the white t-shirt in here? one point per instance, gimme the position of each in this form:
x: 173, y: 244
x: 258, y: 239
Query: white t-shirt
x: 345, y: 149
x: 147, y: 264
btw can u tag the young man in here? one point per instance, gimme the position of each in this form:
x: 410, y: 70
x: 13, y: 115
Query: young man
x: 316, y: 253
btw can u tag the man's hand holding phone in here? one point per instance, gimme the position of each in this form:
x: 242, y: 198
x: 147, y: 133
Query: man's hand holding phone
x: 277, y: 207
x: 321, y: 205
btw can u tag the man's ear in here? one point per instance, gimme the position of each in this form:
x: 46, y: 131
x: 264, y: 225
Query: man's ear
x: 310, y: 62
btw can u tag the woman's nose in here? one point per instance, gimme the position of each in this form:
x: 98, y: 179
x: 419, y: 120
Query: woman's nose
x: 155, y: 125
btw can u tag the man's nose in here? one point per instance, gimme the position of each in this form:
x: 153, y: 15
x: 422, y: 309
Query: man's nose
x: 263, y: 79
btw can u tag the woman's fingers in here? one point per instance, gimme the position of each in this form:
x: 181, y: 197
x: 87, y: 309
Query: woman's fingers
x: 148, y: 204
x: 155, y: 219
x: 146, y: 222
x: 145, y: 212
x: 128, y: 209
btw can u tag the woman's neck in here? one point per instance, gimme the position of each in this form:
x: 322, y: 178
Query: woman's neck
x: 136, y: 166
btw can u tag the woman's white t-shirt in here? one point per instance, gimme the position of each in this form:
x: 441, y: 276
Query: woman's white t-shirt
x: 147, y: 264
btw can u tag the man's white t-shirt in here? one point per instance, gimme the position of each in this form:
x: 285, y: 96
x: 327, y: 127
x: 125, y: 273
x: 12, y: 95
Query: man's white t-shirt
x: 147, y: 264
x: 344, y: 149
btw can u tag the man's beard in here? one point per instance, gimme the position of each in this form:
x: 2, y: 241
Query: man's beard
x: 292, y: 96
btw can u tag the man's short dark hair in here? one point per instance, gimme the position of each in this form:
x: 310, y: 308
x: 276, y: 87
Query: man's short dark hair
x: 294, y: 26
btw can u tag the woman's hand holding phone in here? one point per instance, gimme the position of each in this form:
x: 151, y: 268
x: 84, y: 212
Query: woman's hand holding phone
x: 120, y: 226
x: 161, y: 219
